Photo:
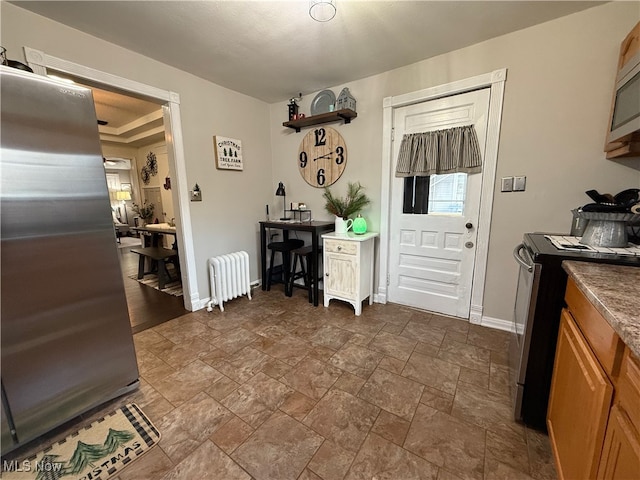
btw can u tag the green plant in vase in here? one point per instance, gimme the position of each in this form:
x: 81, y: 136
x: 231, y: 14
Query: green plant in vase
x: 144, y: 211
x: 344, y: 207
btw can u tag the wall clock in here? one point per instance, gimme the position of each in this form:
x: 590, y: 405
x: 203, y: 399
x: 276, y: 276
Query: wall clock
x: 322, y: 157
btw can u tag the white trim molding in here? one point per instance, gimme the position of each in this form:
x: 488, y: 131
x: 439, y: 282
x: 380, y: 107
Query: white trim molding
x: 498, y: 324
x: 40, y: 62
x: 495, y: 81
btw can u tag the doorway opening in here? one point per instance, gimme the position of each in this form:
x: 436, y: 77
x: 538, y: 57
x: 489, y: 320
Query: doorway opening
x: 131, y: 135
x: 168, y: 128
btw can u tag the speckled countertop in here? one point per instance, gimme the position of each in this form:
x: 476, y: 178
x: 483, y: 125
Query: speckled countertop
x: 615, y: 292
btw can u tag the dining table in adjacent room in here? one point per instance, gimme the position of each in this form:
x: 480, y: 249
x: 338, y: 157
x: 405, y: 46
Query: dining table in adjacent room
x: 315, y: 227
x: 152, y: 233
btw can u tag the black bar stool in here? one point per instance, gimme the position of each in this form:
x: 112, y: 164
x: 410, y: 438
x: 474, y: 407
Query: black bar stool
x: 303, y: 256
x: 285, y: 248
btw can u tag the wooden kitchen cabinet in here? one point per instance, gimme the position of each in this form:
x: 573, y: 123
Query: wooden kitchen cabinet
x: 348, y: 268
x: 579, y: 404
x: 594, y: 407
x: 621, y: 452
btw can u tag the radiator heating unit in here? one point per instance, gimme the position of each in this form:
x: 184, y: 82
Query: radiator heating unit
x: 229, y: 277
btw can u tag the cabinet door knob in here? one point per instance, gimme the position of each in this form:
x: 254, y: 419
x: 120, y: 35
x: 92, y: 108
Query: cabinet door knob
x: 339, y: 248
x: 469, y: 225
x: 326, y: 274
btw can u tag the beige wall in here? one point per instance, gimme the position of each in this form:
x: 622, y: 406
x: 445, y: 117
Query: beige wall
x: 233, y: 202
x: 558, y: 92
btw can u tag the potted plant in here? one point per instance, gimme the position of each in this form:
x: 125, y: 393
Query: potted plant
x: 344, y: 207
x: 145, y: 211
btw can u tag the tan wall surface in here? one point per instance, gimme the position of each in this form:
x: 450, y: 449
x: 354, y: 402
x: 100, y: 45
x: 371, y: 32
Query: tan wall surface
x: 557, y: 97
x: 558, y: 92
x: 233, y: 202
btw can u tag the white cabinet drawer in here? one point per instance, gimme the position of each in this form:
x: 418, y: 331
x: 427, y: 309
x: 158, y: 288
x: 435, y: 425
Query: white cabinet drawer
x: 337, y: 246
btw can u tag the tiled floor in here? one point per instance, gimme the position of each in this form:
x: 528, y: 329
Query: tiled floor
x: 274, y: 388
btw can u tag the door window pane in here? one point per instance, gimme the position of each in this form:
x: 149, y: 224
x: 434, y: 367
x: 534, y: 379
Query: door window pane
x: 447, y: 193
x: 441, y: 194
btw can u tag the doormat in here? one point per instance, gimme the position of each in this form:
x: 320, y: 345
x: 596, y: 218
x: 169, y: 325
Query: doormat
x: 151, y: 280
x: 97, y: 452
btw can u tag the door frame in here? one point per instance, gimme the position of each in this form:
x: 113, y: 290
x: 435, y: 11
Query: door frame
x: 494, y: 80
x: 40, y: 61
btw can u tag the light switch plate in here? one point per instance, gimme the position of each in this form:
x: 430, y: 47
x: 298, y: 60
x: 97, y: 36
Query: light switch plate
x: 519, y: 184
x: 507, y: 184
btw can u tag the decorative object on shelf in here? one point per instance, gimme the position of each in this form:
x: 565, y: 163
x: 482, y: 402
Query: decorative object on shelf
x: 341, y: 207
x: 152, y: 164
x: 346, y: 100
x: 322, y: 10
x: 359, y: 225
x: 322, y: 101
x: 293, y: 106
x: 167, y: 183
x: 280, y: 192
x: 144, y: 211
x: 228, y: 152
x: 322, y: 157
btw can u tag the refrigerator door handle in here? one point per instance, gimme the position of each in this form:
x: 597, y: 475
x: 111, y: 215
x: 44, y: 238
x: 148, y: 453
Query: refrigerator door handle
x: 523, y: 263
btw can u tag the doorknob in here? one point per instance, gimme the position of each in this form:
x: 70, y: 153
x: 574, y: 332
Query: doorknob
x: 469, y: 225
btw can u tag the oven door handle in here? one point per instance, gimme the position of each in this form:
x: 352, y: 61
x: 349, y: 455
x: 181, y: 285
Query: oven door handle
x: 520, y: 260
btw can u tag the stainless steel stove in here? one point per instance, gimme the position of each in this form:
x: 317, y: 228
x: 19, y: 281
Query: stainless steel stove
x: 539, y: 301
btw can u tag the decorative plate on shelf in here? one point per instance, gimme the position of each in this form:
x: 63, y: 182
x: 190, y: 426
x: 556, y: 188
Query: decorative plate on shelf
x: 322, y: 101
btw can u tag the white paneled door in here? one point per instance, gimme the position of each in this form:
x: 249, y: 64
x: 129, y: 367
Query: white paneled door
x: 432, y: 253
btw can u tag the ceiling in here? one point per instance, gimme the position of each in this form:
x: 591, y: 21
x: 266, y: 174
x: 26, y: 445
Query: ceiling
x: 273, y: 50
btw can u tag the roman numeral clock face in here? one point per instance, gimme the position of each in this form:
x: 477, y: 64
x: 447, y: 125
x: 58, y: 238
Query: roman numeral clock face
x: 322, y: 157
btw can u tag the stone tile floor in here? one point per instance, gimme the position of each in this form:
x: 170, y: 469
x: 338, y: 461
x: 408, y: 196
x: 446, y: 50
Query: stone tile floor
x: 274, y: 388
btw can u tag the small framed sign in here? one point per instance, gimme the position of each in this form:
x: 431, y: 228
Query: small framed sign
x: 228, y: 152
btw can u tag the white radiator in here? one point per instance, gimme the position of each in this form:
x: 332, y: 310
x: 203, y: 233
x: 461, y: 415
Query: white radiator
x: 229, y: 277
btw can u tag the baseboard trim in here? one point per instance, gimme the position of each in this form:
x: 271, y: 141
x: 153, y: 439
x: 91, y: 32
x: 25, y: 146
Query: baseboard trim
x: 497, y: 323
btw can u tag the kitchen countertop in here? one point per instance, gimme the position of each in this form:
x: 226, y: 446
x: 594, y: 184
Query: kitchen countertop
x: 615, y: 292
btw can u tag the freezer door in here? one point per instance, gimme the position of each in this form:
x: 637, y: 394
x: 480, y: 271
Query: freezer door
x: 66, y: 338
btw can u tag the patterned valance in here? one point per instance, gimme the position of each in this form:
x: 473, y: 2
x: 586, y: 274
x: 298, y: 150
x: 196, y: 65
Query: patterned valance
x: 441, y: 151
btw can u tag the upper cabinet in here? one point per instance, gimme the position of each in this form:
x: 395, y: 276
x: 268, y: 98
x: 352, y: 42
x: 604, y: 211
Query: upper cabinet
x: 623, y: 134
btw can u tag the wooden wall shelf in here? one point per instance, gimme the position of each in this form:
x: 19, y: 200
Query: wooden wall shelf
x: 344, y: 114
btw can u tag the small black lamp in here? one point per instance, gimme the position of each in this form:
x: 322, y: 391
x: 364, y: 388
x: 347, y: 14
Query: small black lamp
x: 281, y: 193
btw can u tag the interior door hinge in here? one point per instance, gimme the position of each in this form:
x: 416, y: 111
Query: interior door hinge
x: 393, y: 134
x: 388, y: 279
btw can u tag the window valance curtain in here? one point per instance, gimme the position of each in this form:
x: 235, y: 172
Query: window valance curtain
x: 441, y: 151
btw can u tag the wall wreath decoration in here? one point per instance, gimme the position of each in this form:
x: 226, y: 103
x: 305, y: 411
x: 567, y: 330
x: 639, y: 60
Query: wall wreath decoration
x: 152, y: 164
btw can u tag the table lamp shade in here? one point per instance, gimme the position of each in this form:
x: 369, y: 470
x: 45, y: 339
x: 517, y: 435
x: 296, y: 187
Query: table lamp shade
x: 123, y: 196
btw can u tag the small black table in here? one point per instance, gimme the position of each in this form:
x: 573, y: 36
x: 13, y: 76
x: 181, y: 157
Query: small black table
x: 316, y: 228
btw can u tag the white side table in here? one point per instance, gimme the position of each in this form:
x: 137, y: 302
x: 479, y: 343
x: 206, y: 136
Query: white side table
x: 348, y: 268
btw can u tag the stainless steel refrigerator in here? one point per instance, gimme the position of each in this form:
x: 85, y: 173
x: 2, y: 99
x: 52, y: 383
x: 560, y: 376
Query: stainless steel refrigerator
x: 66, y: 342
